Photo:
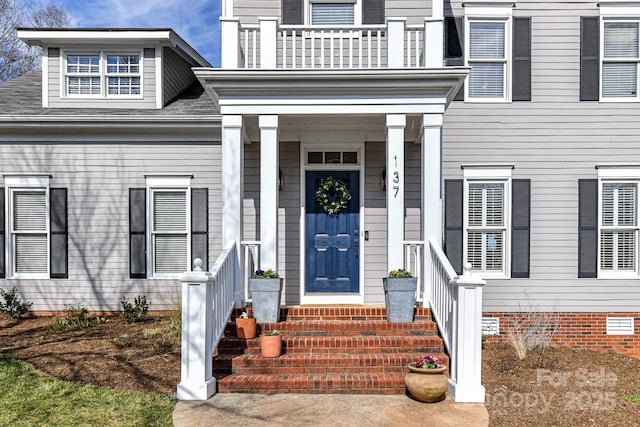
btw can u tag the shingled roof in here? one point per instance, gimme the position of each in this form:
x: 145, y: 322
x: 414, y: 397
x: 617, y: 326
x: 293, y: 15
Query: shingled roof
x: 22, y: 96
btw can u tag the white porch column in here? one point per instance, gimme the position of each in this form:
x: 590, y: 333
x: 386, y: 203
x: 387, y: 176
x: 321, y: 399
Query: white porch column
x: 268, y: 44
x: 465, y: 384
x: 395, y: 190
x: 227, y: 8
x: 396, y: 42
x: 269, y: 191
x: 232, y: 190
x: 433, y: 42
x: 229, y: 42
x: 431, y: 191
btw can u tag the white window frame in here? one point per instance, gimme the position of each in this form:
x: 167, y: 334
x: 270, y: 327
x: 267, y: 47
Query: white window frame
x: 603, y: 60
x: 103, y: 74
x: 498, y: 11
x: 357, y: 10
x: 489, y: 175
x: 166, y: 183
x: 25, y: 183
x: 618, y: 174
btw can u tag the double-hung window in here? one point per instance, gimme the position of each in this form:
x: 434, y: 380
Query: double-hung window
x: 488, y: 57
x: 102, y: 74
x: 487, y: 214
x: 620, y: 58
x: 618, y: 227
x: 83, y: 75
x: 168, y: 227
x: 123, y: 74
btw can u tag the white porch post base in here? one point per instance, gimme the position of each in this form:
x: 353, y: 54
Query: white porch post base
x: 395, y: 190
x: 465, y: 384
x: 196, y: 370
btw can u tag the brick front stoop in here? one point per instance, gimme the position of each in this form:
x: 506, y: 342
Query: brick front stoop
x: 350, y: 350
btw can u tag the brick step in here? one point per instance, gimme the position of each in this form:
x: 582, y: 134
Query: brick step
x: 340, y: 313
x: 313, y: 383
x: 342, y: 344
x: 344, y: 328
x: 316, y: 364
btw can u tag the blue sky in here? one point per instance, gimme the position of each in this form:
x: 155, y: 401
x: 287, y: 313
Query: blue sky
x: 197, y: 21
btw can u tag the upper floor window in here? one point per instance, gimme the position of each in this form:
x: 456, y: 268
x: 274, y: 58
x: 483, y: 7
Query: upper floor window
x: 102, y: 74
x: 333, y: 12
x: 488, y: 57
x: 620, y: 57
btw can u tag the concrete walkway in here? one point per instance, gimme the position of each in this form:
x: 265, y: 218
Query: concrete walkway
x: 326, y: 410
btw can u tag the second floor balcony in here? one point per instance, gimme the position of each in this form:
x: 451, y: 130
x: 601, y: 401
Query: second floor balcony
x: 269, y: 45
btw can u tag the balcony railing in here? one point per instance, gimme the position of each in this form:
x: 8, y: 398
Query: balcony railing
x: 299, y: 47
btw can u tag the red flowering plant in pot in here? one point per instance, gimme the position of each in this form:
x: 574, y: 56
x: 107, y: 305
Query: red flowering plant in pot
x: 246, y: 325
x: 427, y: 380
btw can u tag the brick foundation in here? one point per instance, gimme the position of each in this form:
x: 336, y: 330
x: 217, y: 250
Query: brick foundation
x: 582, y: 331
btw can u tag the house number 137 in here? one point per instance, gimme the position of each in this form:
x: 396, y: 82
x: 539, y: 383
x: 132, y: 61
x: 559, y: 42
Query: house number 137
x: 396, y: 178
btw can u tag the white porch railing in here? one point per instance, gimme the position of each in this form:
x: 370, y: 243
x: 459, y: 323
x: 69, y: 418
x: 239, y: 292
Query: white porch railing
x: 413, y: 262
x: 456, y: 305
x: 207, y: 303
x: 392, y: 45
x: 250, y: 263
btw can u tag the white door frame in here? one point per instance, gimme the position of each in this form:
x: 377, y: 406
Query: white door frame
x: 341, y: 298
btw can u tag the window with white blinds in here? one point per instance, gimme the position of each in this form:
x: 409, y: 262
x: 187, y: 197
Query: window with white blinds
x: 620, y: 59
x: 487, y: 56
x: 83, y: 75
x: 618, y: 227
x: 123, y: 74
x: 486, y: 227
x: 332, y: 13
x: 170, y: 231
x: 29, y: 232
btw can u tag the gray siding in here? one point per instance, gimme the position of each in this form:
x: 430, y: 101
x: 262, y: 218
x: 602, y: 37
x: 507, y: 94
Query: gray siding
x: 98, y: 178
x: 56, y: 86
x: 375, y: 222
x: 177, y: 74
x: 554, y: 140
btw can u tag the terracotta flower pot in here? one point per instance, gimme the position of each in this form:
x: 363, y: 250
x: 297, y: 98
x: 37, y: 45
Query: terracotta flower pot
x: 246, y: 328
x: 270, y: 345
x: 426, y: 385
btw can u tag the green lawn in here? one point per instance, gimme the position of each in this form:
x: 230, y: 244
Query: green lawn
x: 635, y: 398
x: 29, y: 397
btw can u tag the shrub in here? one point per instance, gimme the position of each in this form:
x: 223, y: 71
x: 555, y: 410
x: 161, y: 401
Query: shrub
x: 136, y: 312
x: 532, y: 330
x: 76, y: 317
x: 12, y: 304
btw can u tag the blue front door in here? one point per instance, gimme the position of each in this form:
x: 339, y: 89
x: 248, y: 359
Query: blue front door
x: 332, y: 264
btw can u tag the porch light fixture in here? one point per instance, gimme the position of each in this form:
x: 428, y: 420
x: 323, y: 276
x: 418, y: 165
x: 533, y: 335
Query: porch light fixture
x: 280, y: 180
x: 383, y: 179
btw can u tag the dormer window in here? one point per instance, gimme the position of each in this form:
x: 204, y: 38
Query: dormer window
x: 103, y: 75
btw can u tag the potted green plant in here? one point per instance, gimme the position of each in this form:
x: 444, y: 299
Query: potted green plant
x: 427, y: 380
x: 400, y: 296
x: 271, y: 344
x: 266, y: 288
x: 246, y: 325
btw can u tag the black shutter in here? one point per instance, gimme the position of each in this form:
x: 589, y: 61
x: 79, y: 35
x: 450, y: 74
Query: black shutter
x: 454, y: 46
x: 137, y: 233
x: 589, y: 58
x: 373, y: 12
x: 588, y: 228
x: 292, y: 12
x: 59, y: 258
x: 2, y: 239
x: 520, y: 227
x: 200, y: 225
x: 453, y: 225
x: 521, y: 59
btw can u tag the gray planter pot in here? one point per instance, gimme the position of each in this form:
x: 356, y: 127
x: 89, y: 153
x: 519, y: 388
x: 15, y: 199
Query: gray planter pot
x: 400, y: 299
x: 265, y: 294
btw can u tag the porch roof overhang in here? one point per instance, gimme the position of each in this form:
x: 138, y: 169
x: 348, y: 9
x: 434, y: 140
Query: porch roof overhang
x: 352, y: 92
